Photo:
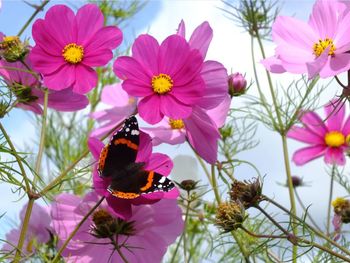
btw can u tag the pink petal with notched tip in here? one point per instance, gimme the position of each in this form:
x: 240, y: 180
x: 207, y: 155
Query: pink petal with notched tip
x: 307, y: 154
x: 145, y: 50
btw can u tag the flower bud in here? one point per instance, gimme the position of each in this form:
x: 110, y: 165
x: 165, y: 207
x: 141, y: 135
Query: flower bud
x: 237, y: 84
x: 247, y: 192
x: 12, y: 49
x: 188, y: 185
x: 297, y: 181
x: 106, y: 226
x: 230, y: 216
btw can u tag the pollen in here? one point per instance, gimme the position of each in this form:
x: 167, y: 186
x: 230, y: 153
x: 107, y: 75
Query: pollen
x: 334, y: 139
x: 162, y: 83
x: 11, y: 39
x: 176, y: 124
x: 322, y: 45
x: 73, y: 53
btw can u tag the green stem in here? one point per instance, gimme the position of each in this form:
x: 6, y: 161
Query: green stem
x: 305, y: 210
x: 24, y: 229
x: 185, y: 226
x: 18, y: 159
x: 177, y: 248
x: 272, y: 220
x: 58, y: 255
x: 117, y: 247
x: 215, y: 185
x: 330, y: 200
x: 37, y: 10
x: 318, y: 233
x: 42, y: 138
x: 260, y: 236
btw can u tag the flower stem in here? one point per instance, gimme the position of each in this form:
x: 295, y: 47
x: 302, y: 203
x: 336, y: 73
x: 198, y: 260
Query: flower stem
x: 330, y: 200
x: 121, y: 254
x: 58, y: 255
x: 37, y: 10
x: 18, y: 159
x: 215, y: 185
x: 318, y: 233
x: 260, y: 236
x: 24, y: 230
x: 305, y: 210
x: 42, y: 138
x: 188, y: 199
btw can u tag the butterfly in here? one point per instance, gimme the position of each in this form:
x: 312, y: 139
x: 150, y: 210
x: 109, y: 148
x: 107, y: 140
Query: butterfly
x: 117, y: 161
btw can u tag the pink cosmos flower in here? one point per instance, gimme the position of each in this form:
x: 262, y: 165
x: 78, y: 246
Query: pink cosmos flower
x: 329, y: 139
x: 166, y: 77
x: 28, y: 90
x: 151, y: 229
x: 201, y: 127
x: 38, y: 230
x: 69, y: 45
x: 157, y: 162
x: 318, y: 47
x: 122, y: 104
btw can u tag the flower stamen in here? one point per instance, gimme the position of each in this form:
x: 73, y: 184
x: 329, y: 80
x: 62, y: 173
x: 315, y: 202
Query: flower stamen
x: 73, y: 53
x: 322, y: 45
x: 176, y: 124
x: 334, y: 139
x: 162, y: 83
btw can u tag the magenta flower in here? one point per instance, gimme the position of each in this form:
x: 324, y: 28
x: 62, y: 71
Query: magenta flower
x: 318, y: 47
x: 30, y: 94
x: 209, y: 114
x: 144, y: 237
x: 329, y: 139
x: 38, y: 230
x: 122, y: 104
x: 166, y: 77
x: 69, y: 45
x: 157, y: 162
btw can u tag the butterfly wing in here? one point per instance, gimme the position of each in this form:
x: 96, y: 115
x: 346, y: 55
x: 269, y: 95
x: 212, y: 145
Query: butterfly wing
x: 136, y: 184
x: 121, y: 150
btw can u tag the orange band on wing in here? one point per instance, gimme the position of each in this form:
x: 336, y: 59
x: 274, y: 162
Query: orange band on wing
x: 102, y: 159
x: 127, y: 142
x: 124, y: 195
x: 149, y: 181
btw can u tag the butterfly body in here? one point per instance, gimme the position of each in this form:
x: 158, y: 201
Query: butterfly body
x: 117, y: 161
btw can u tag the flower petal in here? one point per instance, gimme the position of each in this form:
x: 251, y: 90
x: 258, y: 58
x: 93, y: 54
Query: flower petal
x: 160, y: 163
x: 173, y: 54
x: 44, y: 62
x: 203, y: 135
x: 201, y: 38
x: 145, y: 50
x: 129, y: 68
x: 98, y: 58
x: 173, y: 108
x: 346, y: 127
x: 89, y: 20
x: 335, y: 113
x: 66, y: 100
x: 314, y: 123
x: 305, y: 135
x: 108, y: 37
x: 190, y: 93
x: 60, y: 79
x: 307, y: 154
x: 273, y: 64
x: 149, y: 109
x: 85, y: 79
x: 145, y: 148
x: 95, y: 146
x: 335, y: 155
x: 215, y: 78
x: 181, y: 30
x: 119, y: 207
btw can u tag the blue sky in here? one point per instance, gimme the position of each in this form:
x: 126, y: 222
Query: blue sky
x: 229, y: 46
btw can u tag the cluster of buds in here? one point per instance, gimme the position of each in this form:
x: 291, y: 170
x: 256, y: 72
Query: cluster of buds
x: 22, y: 93
x: 12, y: 49
x: 249, y: 193
x: 236, y: 84
x: 107, y: 226
x: 230, y: 216
x: 342, y: 208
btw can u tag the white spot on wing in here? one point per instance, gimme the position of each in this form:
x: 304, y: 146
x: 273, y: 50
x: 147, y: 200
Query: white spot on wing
x: 135, y: 132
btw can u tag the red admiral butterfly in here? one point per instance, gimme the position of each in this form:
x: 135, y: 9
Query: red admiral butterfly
x: 118, y: 162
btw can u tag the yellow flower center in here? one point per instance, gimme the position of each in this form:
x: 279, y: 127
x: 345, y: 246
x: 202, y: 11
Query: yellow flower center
x: 339, y: 202
x: 11, y: 39
x: 162, y: 83
x: 334, y: 139
x: 347, y: 140
x: 73, y: 53
x: 176, y: 124
x: 321, y: 46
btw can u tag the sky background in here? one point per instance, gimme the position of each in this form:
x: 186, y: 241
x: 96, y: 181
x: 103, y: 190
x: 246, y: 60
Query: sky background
x: 230, y: 46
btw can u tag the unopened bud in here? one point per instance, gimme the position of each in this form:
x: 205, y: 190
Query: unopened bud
x: 237, y: 84
x: 249, y: 193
